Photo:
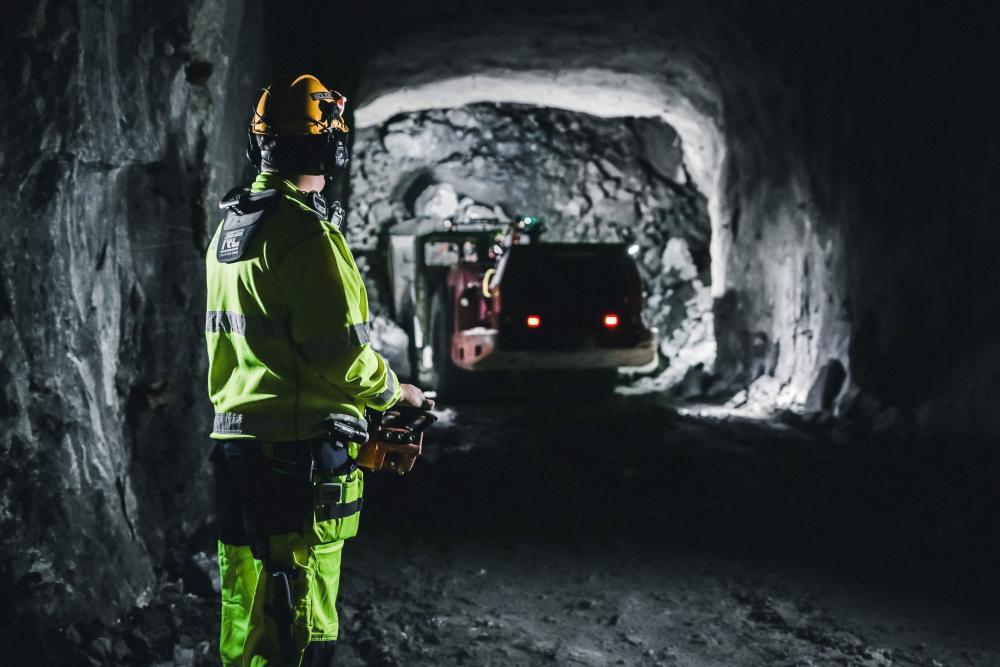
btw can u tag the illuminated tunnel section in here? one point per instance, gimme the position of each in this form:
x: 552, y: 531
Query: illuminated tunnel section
x: 591, y: 179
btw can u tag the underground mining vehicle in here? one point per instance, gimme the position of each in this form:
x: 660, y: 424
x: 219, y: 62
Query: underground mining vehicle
x: 480, y: 295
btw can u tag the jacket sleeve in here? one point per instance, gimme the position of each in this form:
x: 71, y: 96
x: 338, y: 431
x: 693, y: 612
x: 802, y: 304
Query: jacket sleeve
x: 326, y: 301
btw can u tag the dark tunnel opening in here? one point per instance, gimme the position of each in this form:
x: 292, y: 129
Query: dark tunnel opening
x: 806, y: 474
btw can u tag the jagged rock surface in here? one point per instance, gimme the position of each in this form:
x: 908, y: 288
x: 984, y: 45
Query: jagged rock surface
x: 592, y: 179
x: 116, y: 136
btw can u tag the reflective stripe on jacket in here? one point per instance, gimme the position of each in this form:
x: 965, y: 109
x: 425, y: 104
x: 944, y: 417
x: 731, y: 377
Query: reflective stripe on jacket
x: 287, y: 329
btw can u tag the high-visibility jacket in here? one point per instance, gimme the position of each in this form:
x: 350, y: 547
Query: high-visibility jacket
x: 287, y: 328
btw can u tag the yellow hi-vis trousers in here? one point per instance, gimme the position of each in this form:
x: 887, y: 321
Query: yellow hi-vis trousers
x: 249, y: 635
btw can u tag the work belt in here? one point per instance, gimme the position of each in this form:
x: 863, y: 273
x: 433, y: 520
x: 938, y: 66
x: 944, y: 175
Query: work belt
x: 277, y: 427
x: 316, y: 481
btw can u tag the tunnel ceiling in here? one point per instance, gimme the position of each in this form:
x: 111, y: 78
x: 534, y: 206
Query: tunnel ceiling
x: 595, y: 91
x: 575, y: 64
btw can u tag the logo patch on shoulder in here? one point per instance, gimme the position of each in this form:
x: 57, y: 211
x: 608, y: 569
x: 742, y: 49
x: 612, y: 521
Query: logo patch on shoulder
x: 245, y: 212
x: 237, y: 232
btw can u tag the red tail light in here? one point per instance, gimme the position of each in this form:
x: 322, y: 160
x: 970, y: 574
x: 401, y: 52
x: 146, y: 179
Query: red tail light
x: 533, y: 321
x: 611, y: 320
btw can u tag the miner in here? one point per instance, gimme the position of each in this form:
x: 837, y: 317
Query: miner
x: 291, y: 372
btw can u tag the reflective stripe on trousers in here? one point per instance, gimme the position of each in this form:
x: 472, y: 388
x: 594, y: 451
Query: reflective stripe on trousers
x: 244, y: 592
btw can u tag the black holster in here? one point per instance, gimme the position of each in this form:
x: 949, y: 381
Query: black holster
x: 280, y: 606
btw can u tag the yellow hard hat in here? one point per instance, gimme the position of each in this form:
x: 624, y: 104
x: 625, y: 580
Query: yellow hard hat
x: 298, y: 126
x: 298, y: 105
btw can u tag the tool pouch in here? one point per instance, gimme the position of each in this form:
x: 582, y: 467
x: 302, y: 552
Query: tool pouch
x: 337, y: 491
x: 336, y: 507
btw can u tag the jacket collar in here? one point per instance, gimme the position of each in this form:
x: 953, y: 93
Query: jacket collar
x: 266, y: 180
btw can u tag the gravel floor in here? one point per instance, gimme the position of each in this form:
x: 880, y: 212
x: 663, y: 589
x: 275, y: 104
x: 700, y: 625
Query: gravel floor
x: 621, y: 532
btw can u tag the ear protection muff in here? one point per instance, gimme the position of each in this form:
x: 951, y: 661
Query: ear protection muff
x: 335, y: 155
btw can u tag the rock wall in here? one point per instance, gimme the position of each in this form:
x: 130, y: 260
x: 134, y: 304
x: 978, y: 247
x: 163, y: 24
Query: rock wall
x: 858, y: 186
x: 921, y: 236
x: 119, y: 131
x: 592, y: 179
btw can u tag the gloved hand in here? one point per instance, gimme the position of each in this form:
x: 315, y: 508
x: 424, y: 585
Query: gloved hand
x: 413, y: 397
